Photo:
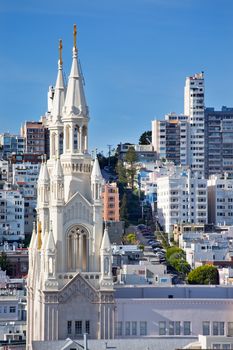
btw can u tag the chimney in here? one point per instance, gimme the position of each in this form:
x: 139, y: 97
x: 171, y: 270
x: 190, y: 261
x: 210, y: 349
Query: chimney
x: 85, y: 341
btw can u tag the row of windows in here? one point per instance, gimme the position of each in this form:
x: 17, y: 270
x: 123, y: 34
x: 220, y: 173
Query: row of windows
x: 217, y: 328
x: 131, y: 328
x: 6, y: 309
x: 78, y: 327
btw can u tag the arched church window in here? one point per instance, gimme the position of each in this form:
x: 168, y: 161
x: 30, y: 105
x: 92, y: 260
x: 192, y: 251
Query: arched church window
x: 60, y: 143
x: 76, y: 138
x: 51, y: 266
x: 77, y: 248
x: 67, y: 137
x: 106, y: 265
x: 53, y: 139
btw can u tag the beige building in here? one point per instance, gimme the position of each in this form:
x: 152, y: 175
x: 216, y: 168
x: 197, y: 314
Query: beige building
x: 110, y: 198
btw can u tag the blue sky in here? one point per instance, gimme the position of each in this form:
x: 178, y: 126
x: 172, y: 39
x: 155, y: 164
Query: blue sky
x: 135, y: 55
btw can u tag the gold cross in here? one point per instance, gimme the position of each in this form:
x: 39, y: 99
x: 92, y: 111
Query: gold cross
x: 60, y: 51
x: 75, y: 36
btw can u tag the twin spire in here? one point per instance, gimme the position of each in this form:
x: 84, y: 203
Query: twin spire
x: 73, y: 101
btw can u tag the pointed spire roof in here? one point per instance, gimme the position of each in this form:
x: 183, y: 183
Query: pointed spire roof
x: 58, y: 171
x: 59, y: 91
x: 75, y: 101
x: 105, y: 245
x: 33, y: 237
x: 44, y: 176
x: 40, y: 173
x: 96, y: 172
x: 50, y: 246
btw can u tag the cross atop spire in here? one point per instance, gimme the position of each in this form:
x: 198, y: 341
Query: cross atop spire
x: 75, y: 37
x: 60, y: 52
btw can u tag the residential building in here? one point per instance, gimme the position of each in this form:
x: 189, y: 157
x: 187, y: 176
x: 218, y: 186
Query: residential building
x: 194, y: 93
x: 12, y: 315
x: 145, y: 153
x: 11, y: 214
x: 25, y: 176
x: 218, y: 141
x: 166, y: 137
x: 220, y: 200
x: 11, y: 143
x: 34, y: 134
x: 181, y: 198
x: 110, y: 197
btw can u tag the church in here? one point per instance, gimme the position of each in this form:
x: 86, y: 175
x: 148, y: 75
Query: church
x: 70, y: 287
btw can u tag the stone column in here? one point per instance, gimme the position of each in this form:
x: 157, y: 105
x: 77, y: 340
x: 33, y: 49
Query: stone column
x: 80, y: 252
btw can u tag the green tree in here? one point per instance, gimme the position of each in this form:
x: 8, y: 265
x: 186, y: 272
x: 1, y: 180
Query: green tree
x: 173, y: 250
x: 4, y: 263
x: 145, y: 138
x: 130, y: 238
x: 206, y: 274
x: 123, y: 209
x: 131, y: 159
x: 121, y: 172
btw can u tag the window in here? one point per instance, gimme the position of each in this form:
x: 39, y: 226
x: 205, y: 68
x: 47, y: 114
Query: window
x: 143, y: 328
x: 218, y: 328
x: 87, y: 327
x: 162, y: 328
x: 5, y: 309
x: 177, y: 327
x: 127, y: 328
x: 187, y: 327
x: 78, y: 327
x: 230, y: 329
x: 119, y: 328
x: 69, y: 327
x: 134, y: 328
x: 226, y: 346
x: 171, y: 328
x: 12, y: 309
x: 205, y: 328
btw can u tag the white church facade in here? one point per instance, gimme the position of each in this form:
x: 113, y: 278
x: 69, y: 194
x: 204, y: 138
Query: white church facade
x: 70, y: 288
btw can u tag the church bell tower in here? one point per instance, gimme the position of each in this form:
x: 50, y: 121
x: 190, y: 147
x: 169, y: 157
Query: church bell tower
x: 70, y: 287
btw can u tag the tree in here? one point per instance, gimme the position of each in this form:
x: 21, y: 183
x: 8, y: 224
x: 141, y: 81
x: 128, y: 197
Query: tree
x: 4, y: 263
x: 206, y: 274
x: 123, y: 209
x: 173, y: 250
x: 130, y: 238
x: 131, y: 159
x: 121, y: 172
x: 145, y: 138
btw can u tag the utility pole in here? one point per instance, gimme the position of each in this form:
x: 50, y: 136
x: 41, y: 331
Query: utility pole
x: 109, y: 155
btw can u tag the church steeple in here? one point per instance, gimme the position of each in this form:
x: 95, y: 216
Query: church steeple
x: 75, y: 102
x: 96, y: 182
x: 75, y: 111
x: 56, y: 127
x: 106, y: 281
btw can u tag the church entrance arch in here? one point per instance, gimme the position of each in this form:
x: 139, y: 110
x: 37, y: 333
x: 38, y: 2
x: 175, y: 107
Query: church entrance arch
x: 77, y: 248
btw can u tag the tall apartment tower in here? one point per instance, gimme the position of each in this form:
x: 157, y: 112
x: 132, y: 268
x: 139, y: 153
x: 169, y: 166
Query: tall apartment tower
x: 70, y: 286
x: 194, y: 132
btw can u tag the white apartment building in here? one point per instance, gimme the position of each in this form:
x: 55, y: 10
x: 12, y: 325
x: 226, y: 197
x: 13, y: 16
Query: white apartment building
x: 25, y: 176
x: 194, y: 132
x: 220, y: 200
x: 181, y: 198
x: 11, y: 214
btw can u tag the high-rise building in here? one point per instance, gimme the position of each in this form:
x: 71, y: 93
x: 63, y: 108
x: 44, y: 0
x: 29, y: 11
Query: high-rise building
x: 181, y: 198
x: 70, y: 286
x: 166, y: 138
x: 220, y: 200
x: 219, y: 141
x: 194, y: 105
x: 34, y: 134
